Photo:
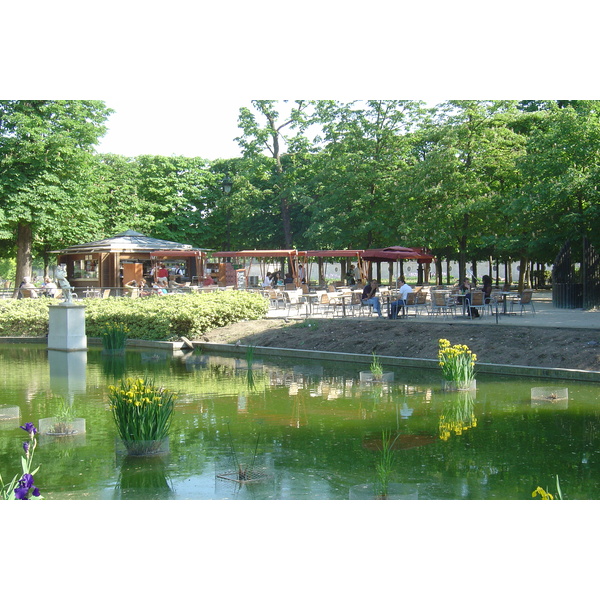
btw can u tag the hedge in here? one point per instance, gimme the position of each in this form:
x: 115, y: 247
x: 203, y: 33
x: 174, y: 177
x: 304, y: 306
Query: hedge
x: 151, y: 318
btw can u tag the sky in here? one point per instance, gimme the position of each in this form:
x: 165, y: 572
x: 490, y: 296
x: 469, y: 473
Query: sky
x: 177, y: 76
x: 204, y: 127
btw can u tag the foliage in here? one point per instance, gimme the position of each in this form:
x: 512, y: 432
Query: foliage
x: 63, y: 419
x: 150, y: 318
x: 385, y: 464
x: 174, y: 315
x: 45, y: 167
x: 376, y: 367
x: 544, y: 495
x: 457, y: 362
x: 23, y: 488
x: 114, y: 336
x: 468, y: 179
x: 141, y: 410
x: 26, y: 317
x: 243, y: 472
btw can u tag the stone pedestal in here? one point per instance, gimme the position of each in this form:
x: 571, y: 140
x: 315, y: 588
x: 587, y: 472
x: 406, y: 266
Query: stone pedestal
x: 66, y: 327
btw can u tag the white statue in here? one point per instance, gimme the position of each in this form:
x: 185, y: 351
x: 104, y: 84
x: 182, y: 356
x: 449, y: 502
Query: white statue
x: 65, y: 286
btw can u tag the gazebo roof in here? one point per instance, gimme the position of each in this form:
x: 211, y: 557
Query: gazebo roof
x: 129, y: 241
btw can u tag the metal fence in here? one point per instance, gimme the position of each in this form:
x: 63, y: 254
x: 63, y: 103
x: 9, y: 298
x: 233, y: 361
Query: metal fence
x: 576, y: 278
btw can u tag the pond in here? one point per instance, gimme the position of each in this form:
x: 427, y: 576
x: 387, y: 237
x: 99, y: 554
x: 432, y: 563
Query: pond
x: 311, y: 430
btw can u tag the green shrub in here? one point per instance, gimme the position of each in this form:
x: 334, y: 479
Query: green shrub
x: 26, y: 317
x: 150, y: 318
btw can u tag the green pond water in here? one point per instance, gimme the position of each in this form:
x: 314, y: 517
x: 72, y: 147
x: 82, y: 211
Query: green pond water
x: 310, y: 429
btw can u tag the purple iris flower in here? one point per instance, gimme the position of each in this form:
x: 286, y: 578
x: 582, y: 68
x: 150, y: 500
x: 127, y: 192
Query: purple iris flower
x: 26, y: 448
x: 25, y: 484
x: 29, y: 428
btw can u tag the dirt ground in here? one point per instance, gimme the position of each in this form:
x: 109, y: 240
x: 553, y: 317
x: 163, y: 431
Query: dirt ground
x: 527, y: 346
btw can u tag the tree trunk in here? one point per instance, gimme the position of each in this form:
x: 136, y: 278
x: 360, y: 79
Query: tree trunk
x: 24, y: 259
x: 522, y: 270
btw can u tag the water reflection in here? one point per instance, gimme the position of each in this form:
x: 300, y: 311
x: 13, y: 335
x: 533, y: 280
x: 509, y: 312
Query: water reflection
x: 143, y: 479
x: 318, y: 428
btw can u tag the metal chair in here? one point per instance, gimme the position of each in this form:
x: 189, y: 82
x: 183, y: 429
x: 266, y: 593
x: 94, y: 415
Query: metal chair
x: 442, y: 304
x: 476, y: 301
x: 524, y: 300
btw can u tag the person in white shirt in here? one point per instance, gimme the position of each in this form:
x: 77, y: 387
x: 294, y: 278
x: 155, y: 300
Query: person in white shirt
x: 404, y: 290
x: 267, y: 282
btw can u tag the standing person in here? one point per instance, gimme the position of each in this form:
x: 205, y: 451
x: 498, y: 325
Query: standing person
x: 369, y: 296
x: 404, y: 290
x: 357, y: 275
x: 301, y: 276
x: 350, y: 280
x: 162, y: 275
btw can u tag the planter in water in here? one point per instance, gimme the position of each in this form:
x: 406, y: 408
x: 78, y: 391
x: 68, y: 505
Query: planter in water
x: 7, y: 413
x: 459, y: 386
x: 367, y: 376
x: 61, y: 427
x: 550, y: 396
x: 143, y: 447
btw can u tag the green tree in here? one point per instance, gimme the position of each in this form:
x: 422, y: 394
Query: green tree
x: 365, y: 150
x: 465, y: 167
x: 45, y: 149
x: 265, y: 134
x: 559, y: 199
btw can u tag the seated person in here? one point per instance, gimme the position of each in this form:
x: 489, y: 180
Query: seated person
x: 208, y: 280
x: 369, y: 297
x: 267, y: 281
x: 288, y: 278
x: 486, y: 286
x: 49, y: 287
x: 29, y: 290
x: 404, y: 290
x: 159, y: 289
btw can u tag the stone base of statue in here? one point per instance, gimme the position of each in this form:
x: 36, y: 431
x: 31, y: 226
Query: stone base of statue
x: 66, y: 327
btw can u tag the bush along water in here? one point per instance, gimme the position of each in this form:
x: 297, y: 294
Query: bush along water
x: 23, y: 488
x: 151, y: 318
x: 142, y: 414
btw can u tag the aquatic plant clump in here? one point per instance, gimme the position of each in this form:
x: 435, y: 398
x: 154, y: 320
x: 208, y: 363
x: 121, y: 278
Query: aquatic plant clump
x: 376, y: 368
x: 114, y: 336
x: 141, y: 410
x: 457, y: 363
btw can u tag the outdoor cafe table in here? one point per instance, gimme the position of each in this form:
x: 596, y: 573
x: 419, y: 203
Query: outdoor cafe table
x: 343, y: 296
x: 310, y: 301
x: 505, y: 296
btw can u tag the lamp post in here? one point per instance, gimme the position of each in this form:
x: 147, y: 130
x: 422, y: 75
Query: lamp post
x: 226, y: 184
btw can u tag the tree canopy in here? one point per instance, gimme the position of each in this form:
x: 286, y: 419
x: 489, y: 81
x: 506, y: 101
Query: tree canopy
x: 470, y: 180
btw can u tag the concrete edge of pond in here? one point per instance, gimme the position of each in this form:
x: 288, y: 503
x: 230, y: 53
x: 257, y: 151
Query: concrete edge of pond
x: 396, y: 361
x: 392, y: 361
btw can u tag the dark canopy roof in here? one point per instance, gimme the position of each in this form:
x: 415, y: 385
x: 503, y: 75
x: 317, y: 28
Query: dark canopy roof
x: 130, y: 241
